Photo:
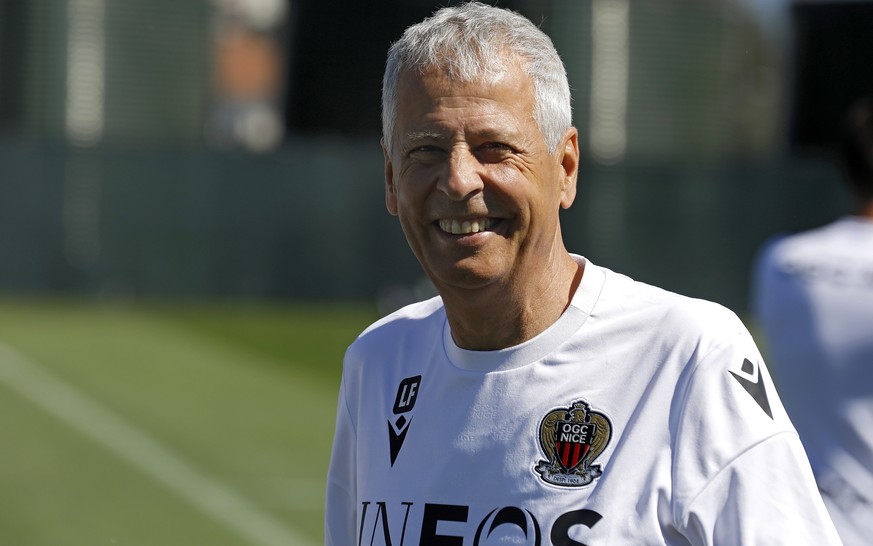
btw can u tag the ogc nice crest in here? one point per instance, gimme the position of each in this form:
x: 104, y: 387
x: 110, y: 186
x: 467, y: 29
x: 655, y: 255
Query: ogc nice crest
x: 571, y: 439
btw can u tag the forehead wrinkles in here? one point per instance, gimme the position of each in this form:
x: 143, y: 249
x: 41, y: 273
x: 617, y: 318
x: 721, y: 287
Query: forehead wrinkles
x: 434, y: 105
x: 447, y: 126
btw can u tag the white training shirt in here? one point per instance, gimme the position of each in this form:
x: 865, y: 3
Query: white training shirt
x: 639, y: 417
x: 814, y: 303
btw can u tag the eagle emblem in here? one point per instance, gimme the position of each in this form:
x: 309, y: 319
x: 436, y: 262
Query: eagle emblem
x: 571, y: 439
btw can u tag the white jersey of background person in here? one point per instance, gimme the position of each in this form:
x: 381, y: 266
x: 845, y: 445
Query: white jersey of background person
x: 639, y: 417
x: 814, y: 303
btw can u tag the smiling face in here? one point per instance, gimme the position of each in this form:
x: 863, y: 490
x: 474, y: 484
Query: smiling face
x: 471, y: 179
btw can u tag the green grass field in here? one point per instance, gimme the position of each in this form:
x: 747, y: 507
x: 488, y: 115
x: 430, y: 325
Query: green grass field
x: 167, y: 424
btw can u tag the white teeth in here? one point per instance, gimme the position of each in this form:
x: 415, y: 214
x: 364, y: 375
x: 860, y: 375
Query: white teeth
x: 466, y: 227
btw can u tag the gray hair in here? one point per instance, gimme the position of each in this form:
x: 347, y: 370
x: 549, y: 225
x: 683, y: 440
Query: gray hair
x: 463, y: 41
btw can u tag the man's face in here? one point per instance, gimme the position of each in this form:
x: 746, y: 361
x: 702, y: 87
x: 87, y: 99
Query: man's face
x: 471, y: 179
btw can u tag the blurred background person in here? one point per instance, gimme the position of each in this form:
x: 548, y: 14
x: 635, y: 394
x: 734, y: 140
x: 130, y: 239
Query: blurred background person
x: 814, y: 302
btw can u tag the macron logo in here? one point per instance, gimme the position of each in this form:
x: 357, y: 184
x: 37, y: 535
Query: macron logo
x: 752, y: 380
x: 407, y: 393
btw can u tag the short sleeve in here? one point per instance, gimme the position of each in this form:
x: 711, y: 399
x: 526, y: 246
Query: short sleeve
x: 741, y: 475
x: 764, y: 496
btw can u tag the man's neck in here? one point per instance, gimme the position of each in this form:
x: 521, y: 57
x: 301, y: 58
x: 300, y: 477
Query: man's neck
x: 505, y: 315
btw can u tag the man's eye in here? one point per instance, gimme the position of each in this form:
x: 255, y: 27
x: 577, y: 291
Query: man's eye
x: 424, y: 150
x: 496, y: 146
x: 493, y: 151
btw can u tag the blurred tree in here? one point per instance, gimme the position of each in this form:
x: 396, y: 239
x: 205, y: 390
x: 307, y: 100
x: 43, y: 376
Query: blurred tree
x: 13, y: 14
x: 833, y: 57
x: 338, y: 57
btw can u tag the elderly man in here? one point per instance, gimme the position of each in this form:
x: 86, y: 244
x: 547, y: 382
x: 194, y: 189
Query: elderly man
x: 540, y: 399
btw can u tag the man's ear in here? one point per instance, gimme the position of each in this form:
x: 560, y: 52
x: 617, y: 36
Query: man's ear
x: 568, y: 155
x: 390, y: 187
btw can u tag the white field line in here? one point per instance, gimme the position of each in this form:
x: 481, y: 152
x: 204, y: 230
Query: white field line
x: 213, y: 498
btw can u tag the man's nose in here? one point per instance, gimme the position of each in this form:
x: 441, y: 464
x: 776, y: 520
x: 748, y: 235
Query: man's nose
x: 461, y: 178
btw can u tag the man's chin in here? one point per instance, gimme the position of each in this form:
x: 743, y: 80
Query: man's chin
x: 464, y: 277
